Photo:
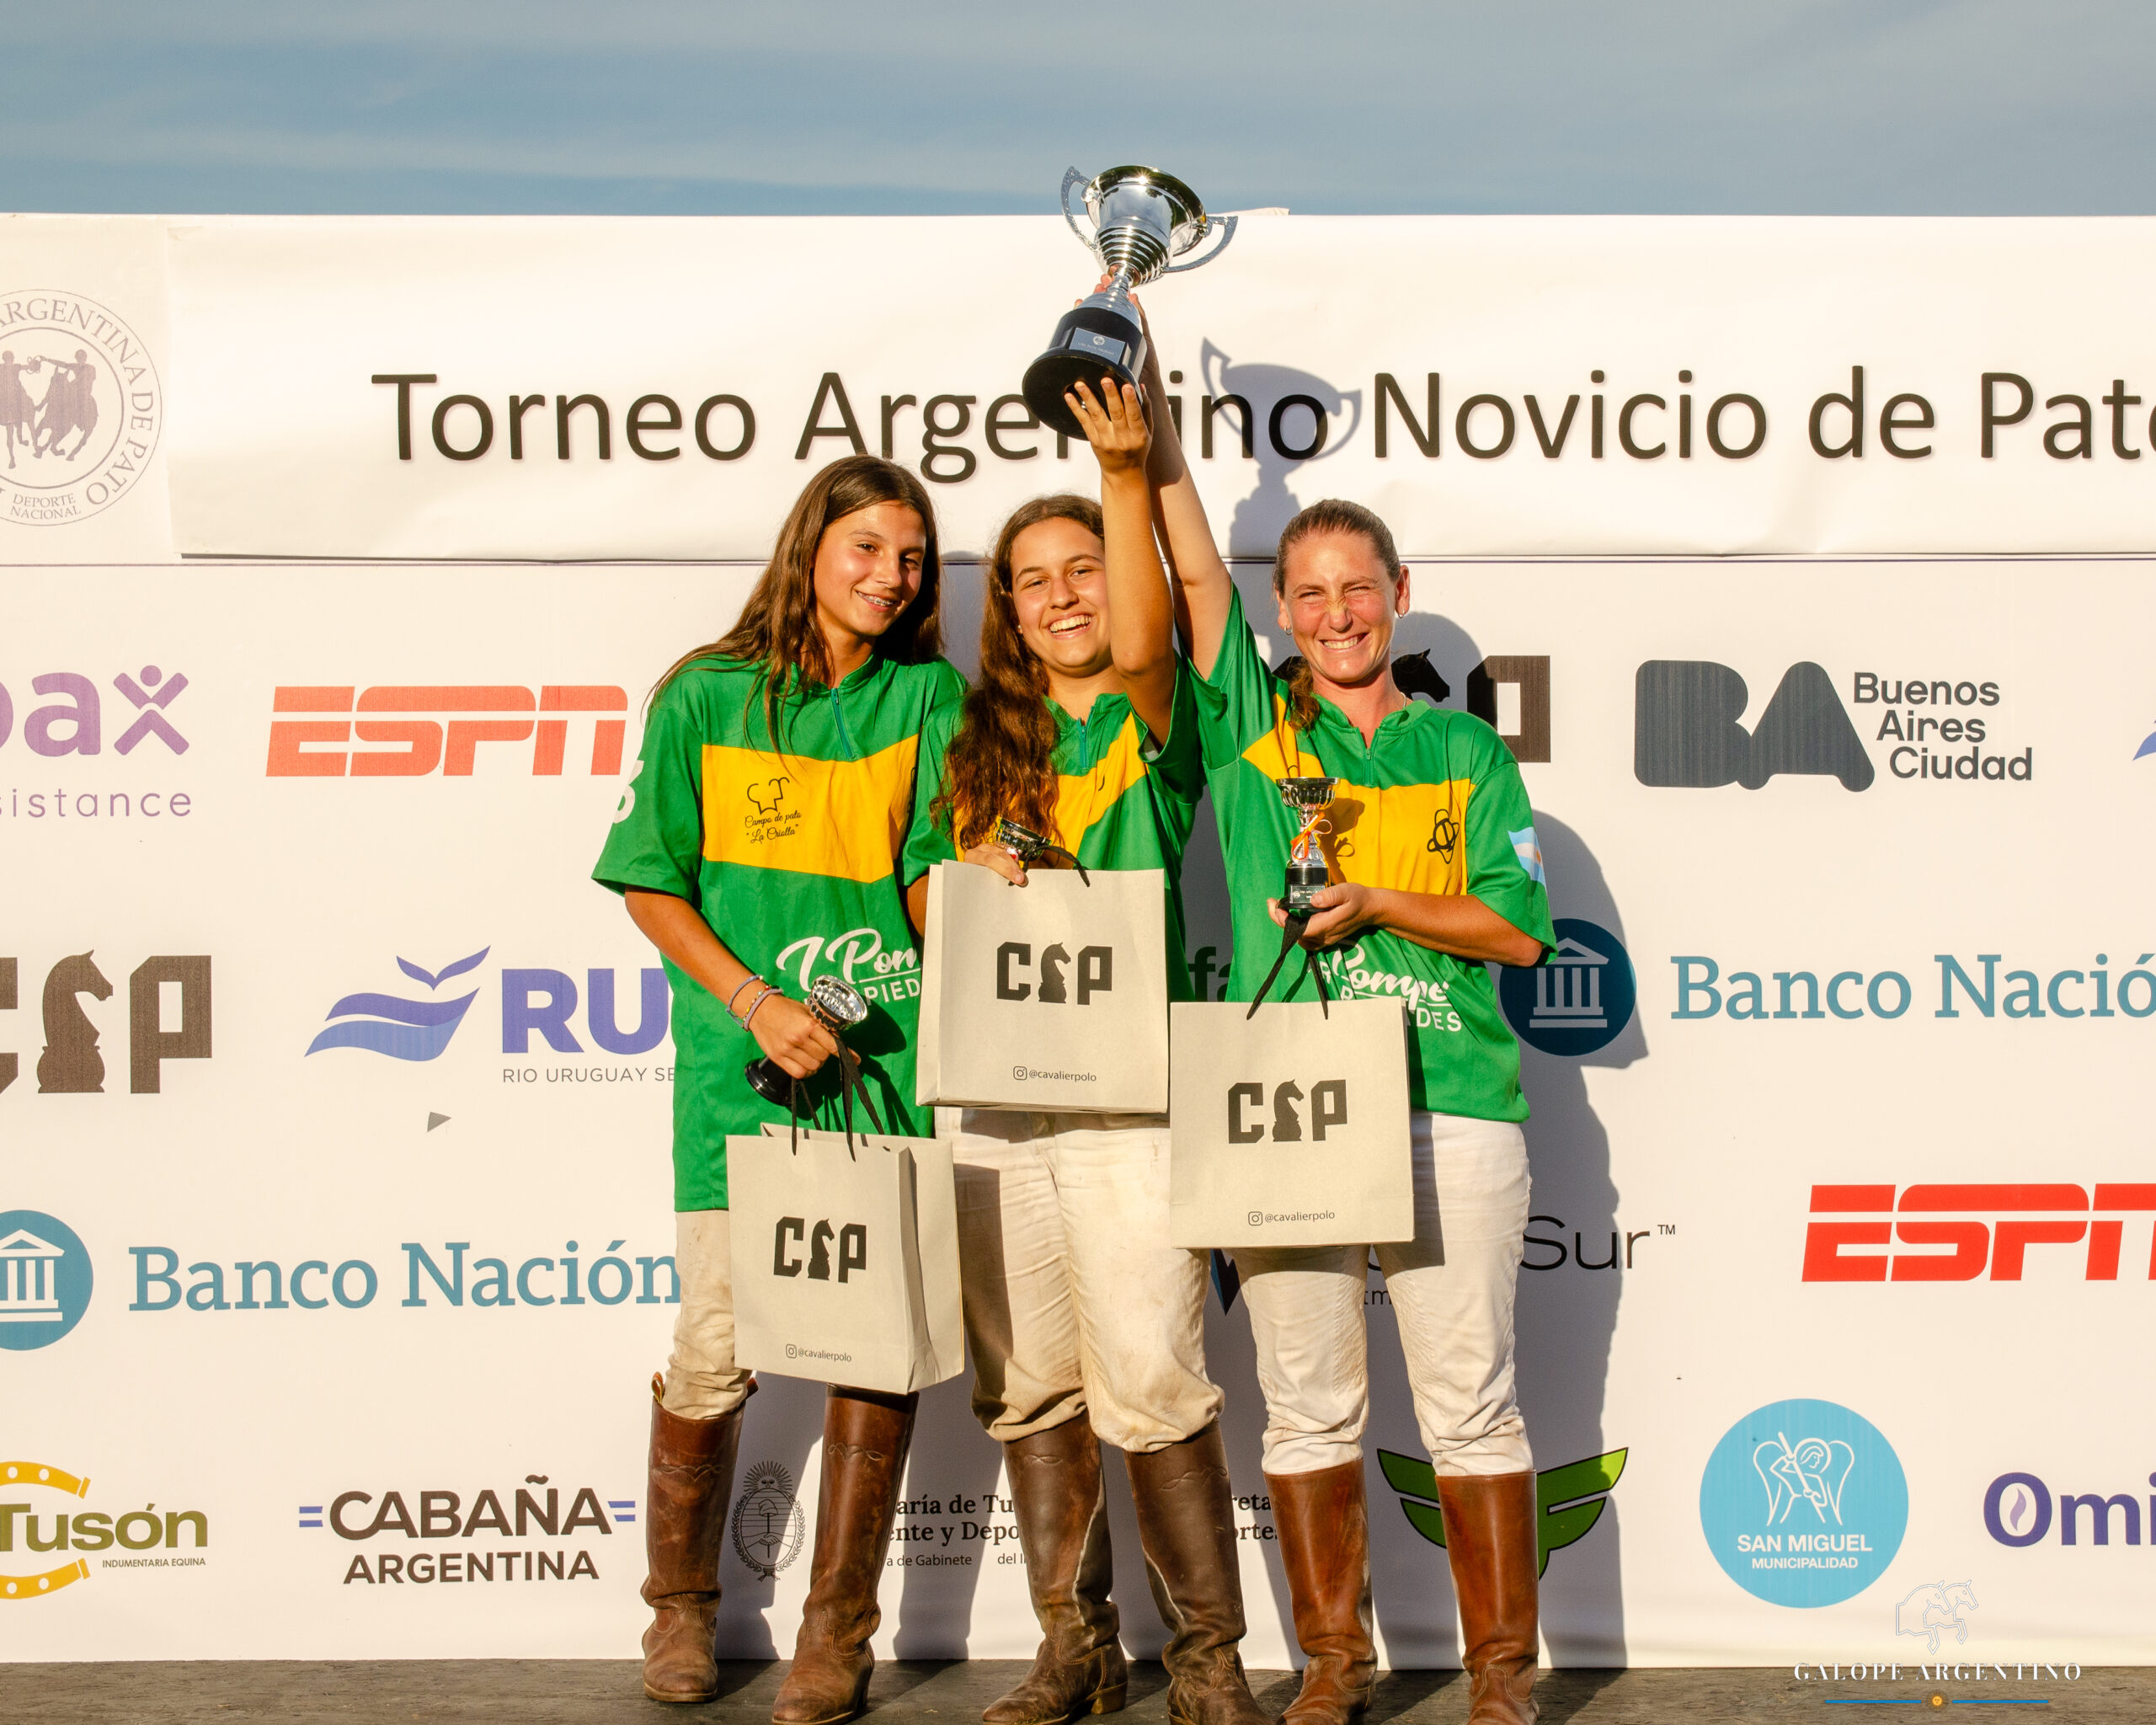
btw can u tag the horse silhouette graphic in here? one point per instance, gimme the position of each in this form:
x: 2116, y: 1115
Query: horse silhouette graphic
x: 1811, y: 1471
x: 1935, y: 1606
x: 71, y: 1064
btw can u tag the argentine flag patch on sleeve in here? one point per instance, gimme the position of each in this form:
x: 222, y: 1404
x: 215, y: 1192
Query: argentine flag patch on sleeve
x: 1528, y: 849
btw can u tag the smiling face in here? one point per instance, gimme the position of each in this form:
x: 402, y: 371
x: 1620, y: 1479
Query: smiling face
x: 1338, y: 600
x: 868, y: 569
x: 1060, y: 590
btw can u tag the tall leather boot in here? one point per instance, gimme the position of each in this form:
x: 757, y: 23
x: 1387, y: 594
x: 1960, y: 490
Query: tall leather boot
x: 692, y: 1475
x: 1063, y: 1529
x: 1186, y: 1524
x: 1489, y: 1536
x: 1325, y: 1544
x: 865, y: 1438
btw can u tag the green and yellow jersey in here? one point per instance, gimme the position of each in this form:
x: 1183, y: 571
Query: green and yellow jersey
x: 1123, y: 800
x: 791, y: 855
x: 1434, y: 804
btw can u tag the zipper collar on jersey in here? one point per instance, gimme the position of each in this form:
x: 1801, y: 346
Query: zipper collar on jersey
x: 1102, y: 720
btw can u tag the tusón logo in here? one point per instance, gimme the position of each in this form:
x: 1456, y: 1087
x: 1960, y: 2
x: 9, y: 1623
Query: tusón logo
x: 1577, y: 999
x: 1804, y: 1503
x: 46, y: 1279
x: 768, y: 1525
x: 143, y: 1530
x: 80, y: 406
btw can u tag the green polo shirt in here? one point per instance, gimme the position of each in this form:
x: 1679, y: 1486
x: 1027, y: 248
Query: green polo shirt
x: 792, y: 857
x: 1434, y: 804
x: 1122, y: 799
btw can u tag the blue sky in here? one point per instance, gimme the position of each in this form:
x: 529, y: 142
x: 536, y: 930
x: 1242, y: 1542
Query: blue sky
x: 664, y: 107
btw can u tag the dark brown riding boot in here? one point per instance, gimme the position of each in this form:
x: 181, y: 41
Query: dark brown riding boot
x: 1489, y: 1536
x: 1187, y: 1524
x: 865, y: 1438
x: 684, y: 1525
x: 1325, y: 1544
x: 1063, y: 1528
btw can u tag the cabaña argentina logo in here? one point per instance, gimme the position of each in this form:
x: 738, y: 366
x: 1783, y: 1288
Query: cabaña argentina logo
x: 80, y: 407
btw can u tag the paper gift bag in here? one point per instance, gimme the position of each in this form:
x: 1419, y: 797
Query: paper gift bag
x: 1053, y: 996
x: 846, y: 1259
x: 1289, y: 1127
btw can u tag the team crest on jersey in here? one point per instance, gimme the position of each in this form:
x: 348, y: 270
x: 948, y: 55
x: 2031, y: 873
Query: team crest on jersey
x: 769, y: 816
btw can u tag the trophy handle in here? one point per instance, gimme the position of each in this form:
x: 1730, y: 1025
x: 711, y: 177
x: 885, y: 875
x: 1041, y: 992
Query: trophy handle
x: 1072, y: 177
x: 1227, y: 227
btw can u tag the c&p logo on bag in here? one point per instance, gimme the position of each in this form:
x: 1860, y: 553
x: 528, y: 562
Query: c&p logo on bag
x: 1804, y: 1503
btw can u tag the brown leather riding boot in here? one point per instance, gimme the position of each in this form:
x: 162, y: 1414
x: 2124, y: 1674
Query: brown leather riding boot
x: 1324, y: 1545
x: 1489, y: 1536
x: 1063, y: 1529
x: 684, y: 1525
x: 865, y: 1438
x: 1186, y: 1524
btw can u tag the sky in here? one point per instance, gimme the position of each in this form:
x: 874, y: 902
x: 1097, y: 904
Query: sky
x: 665, y: 107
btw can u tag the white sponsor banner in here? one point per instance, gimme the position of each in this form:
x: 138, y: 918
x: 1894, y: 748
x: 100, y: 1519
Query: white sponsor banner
x: 338, y: 1117
x: 1493, y: 386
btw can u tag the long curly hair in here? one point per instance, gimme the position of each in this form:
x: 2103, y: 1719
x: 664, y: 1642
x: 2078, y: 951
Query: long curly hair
x: 1331, y: 515
x: 1002, y: 760
x: 776, y: 630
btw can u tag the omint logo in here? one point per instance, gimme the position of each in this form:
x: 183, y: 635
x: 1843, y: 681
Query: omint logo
x: 1579, y: 999
x: 1568, y: 1500
x: 45, y: 1280
x: 80, y: 406
x: 1804, y: 1503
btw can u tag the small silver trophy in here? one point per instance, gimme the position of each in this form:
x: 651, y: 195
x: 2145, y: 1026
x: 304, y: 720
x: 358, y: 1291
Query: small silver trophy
x: 836, y: 1005
x: 1029, y: 847
x: 1141, y: 219
x: 1307, y: 799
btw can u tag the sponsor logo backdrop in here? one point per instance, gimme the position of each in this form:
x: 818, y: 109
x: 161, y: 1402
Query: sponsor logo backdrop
x: 334, y: 1239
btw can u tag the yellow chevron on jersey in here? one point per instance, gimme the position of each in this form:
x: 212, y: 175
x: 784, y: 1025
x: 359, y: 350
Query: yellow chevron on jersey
x: 844, y: 818
x: 1083, y: 798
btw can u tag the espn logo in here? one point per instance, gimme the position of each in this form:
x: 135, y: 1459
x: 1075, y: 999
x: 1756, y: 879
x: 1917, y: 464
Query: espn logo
x: 1966, y: 1228
x: 430, y: 725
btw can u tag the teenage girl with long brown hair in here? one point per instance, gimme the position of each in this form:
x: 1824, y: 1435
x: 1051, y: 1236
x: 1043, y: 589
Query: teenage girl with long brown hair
x: 756, y: 846
x: 1086, y: 1325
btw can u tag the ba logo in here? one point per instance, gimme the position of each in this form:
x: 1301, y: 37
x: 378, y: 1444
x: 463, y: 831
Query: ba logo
x: 79, y: 407
x: 1328, y: 1107
x: 1685, y: 733
x: 72, y: 1062
x: 768, y: 1525
x: 1579, y: 999
x: 852, y: 1241
x: 1096, y: 973
x: 45, y: 1280
x: 1804, y: 1503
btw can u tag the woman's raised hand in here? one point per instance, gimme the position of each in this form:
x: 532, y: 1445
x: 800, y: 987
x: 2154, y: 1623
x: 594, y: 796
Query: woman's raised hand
x: 790, y: 1033
x: 1114, y: 422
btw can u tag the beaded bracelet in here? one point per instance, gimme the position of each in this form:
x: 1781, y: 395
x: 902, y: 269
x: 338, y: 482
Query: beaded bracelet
x: 744, y: 983
x: 749, y: 1016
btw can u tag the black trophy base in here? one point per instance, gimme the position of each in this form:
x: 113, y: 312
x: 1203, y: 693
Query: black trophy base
x: 1098, y: 338
x: 770, y: 1080
x: 1305, y: 881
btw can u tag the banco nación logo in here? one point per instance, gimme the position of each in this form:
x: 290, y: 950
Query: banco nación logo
x: 45, y: 1280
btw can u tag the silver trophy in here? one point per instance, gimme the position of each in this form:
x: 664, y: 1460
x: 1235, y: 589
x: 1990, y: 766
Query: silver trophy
x: 1141, y: 218
x: 836, y: 1005
x: 1307, y: 799
x: 1029, y: 847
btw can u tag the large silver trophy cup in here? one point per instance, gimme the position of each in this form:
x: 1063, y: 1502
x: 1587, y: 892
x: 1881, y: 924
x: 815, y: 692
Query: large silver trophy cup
x: 1142, y: 220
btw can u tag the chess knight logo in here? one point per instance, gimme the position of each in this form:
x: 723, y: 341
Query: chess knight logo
x: 768, y: 1524
x: 80, y: 407
x: 1811, y: 1471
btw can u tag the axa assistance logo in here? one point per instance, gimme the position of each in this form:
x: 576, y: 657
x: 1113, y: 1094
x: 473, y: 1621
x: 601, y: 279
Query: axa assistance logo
x: 1804, y: 1503
x: 1577, y: 999
x: 768, y: 1525
x: 80, y: 407
x: 413, y: 729
x: 1686, y: 733
x: 1568, y: 1500
x: 147, y: 1538
x: 46, y: 1279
